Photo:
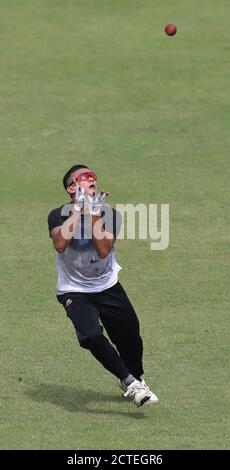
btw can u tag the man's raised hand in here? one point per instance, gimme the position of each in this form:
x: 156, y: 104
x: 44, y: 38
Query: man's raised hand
x: 96, y: 202
x: 79, y: 198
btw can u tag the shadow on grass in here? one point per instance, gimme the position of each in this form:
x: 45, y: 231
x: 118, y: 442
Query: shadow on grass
x: 74, y: 399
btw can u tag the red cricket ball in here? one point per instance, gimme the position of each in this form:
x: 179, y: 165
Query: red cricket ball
x: 170, y: 29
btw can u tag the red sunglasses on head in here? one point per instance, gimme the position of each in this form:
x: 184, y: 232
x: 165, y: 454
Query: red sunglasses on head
x: 85, y: 176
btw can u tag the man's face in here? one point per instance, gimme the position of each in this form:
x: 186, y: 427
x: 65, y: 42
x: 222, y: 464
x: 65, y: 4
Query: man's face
x: 85, y: 178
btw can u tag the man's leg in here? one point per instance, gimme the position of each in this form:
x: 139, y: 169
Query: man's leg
x: 121, y: 323
x: 84, y: 315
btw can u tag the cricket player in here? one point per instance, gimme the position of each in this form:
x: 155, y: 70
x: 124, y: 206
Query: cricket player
x: 84, y: 234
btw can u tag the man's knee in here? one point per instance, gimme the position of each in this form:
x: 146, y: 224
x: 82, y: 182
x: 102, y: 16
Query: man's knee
x: 91, y: 340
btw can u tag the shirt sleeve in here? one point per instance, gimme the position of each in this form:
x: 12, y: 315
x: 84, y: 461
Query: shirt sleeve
x: 111, y: 220
x: 55, y: 219
x: 117, y: 221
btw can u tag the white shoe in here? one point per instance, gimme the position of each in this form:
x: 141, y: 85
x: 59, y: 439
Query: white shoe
x: 138, y: 393
x: 153, y: 398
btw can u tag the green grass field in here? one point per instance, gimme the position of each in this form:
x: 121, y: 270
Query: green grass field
x: 98, y: 82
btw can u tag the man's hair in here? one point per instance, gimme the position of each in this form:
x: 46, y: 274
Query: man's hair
x: 71, y: 170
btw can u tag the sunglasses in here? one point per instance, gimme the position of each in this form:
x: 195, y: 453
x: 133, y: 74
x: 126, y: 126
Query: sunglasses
x: 85, y: 177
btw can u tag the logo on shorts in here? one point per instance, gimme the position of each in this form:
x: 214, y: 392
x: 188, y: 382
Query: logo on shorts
x: 68, y: 302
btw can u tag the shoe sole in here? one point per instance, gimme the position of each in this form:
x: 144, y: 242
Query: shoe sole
x: 149, y: 402
x: 143, y: 401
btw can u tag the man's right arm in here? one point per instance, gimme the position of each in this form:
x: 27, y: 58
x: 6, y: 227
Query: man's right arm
x: 63, y: 234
